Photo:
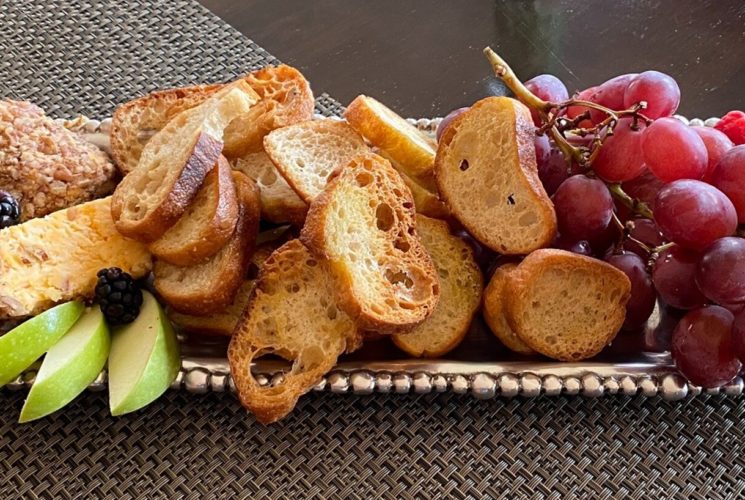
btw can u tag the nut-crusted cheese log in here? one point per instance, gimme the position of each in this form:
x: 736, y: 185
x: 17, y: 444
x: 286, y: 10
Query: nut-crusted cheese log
x: 45, y: 166
x: 50, y: 260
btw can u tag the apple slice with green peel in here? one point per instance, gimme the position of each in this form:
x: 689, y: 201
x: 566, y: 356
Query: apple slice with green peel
x: 69, y: 366
x: 144, y: 359
x: 24, y: 344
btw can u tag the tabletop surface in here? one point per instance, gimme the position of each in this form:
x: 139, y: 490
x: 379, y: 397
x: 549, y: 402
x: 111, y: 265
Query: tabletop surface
x: 424, y: 58
x: 81, y: 56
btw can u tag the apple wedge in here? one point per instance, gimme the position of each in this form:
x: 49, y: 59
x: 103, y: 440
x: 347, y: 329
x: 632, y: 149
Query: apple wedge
x: 144, y: 359
x: 24, y: 344
x: 486, y: 173
x: 69, y: 366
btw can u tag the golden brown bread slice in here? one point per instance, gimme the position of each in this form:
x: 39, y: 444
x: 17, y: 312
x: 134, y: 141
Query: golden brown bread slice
x: 292, y: 314
x: 495, y: 296
x: 487, y: 175
x: 136, y: 121
x: 461, y: 283
x: 426, y: 200
x: 564, y: 305
x: 174, y: 163
x: 408, y: 147
x: 307, y: 154
x: 279, y: 202
x: 223, y: 323
x: 207, y: 224
x: 286, y: 98
x: 363, y: 223
x: 210, y: 286
x: 53, y: 259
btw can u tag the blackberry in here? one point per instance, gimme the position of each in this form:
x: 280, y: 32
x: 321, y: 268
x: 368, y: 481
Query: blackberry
x: 10, y: 211
x: 118, y: 296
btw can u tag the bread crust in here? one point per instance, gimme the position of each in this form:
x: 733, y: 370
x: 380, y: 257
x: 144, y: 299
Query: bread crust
x: 203, y: 240
x: 521, y: 157
x: 462, y: 285
x: 414, y: 262
x: 265, y: 327
x: 133, y: 124
x: 585, y: 337
x: 220, y: 289
x: 286, y: 98
x: 203, y: 156
x: 495, y: 296
x: 408, y: 147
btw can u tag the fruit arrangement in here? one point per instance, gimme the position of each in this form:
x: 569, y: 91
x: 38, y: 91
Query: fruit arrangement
x: 653, y: 197
x: 563, y: 220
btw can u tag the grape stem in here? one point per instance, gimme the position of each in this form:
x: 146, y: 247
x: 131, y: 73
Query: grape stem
x: 637, y: 206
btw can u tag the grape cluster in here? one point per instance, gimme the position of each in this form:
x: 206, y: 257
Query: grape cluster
x: 657, y: 199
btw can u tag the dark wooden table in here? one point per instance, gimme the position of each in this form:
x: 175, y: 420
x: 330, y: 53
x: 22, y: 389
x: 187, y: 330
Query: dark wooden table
x: 424, y: 58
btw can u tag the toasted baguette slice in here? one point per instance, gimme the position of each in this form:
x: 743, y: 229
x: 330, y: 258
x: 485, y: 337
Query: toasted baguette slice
x: 286, y: 98
x: 411, y: 150
x: 280, y: 204
x: 136, y: 121
x: 211, y: 286
x: 307, y: 154
x: 223, y: 323
x: 461, y: 283
x: 54, y: 259
x: 174, y: 164
x: 363, y: 222
x: 426, y: 200
x: 564, y: 305
x: 206, y: 226
x: 495, y: 296
x: 487, y: 175
x: 292, y: 314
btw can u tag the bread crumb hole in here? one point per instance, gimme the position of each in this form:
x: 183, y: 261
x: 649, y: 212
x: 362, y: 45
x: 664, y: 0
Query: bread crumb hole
x: 384, y: 217
x: 399, y: 278
x: 464, y: 165
x: 551, y: 339
x: 300, y: 163
x: 511, y: 199
x: 363, y: 179
x: 311, y: 262
x: 331, y: 312
x: 408, y: 205
x: 402, y: 244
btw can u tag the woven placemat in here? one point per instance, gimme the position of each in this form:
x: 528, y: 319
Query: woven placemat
x: 76, y: 57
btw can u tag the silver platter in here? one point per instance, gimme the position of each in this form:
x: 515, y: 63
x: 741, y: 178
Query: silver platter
x: 204, y: 367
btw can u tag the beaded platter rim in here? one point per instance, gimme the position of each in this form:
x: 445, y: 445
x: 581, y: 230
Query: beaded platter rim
x: 647, y: 374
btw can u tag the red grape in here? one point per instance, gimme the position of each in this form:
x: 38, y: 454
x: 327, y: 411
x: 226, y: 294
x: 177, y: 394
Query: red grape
x: 644, y: 187
x: 729, y: 177
x: 610, y: 94
x: 575, y: 111
x: 643, y: 295
x: 620, y: 157
x: 738, y: 335
x: 542, y: 148
x: 674, y: 278
x: 549, y: 88
x: 658, y: 90
x: 734, y: 308
x: 716, y: 145
x: 553, y: 170
x: 673, y: 150
x: 581, y: 247
x: 448, y: 119
x: 721, y: 271
x: 703, y: 347
x: 647, y: 232
x: 658, y: 337
x: 694, y: 214
x: 583, y: 207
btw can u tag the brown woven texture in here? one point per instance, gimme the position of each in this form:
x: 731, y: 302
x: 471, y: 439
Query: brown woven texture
x: 76, y: 57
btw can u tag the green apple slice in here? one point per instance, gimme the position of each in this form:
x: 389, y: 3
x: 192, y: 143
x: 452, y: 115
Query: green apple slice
x: 24, y: 344
x: 69, y: 366
x: 144, y: 359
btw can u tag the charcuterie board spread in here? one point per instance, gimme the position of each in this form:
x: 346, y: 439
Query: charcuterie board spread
x: 221, y: 236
